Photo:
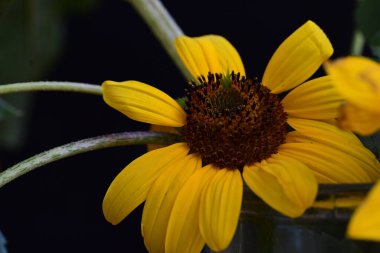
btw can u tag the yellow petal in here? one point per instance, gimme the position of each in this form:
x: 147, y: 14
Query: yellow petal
x: 183, y: 229
x: 315, y: 99
x: 285, y: 184
x: 312, y: 131
x: 220, y: 208
x: 358, y: 80
x: 337, y: 166
x: 143, y: 103
x: 359, y: 120
x: 130, y: 188
x: 160, y: 201
x: 210, y: 53
x: 304, y: 125
x: 365, y: 223
x: 297, y: 58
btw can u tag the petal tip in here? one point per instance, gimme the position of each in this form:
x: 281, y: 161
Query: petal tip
x: 320, y: 38
x: 108, y: 215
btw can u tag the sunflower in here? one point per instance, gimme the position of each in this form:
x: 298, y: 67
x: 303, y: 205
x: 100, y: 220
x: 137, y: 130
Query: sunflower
x: 358, y: 80
x: 235, y: 130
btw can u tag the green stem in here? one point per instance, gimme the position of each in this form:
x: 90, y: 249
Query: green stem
x: 357, y: 43
x: 51, y: 86
x: 78, y: 147
x: 163, y: 27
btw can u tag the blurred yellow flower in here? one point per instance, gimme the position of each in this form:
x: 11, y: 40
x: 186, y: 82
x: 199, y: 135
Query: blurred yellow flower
x: 234, y: 129
x: 365, y: 222
x: 357, y: 79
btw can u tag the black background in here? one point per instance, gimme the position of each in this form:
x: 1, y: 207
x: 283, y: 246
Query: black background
x: 57, y: 208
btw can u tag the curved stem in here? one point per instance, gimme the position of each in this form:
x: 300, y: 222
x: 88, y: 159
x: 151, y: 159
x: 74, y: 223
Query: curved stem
x: 163, y: 26
x: 51, y: 86
x: 78, y: 147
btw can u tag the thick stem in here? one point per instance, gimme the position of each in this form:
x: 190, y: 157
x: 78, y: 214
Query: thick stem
x: 163, y: 27
x: 51, y: 86
x: 78, y: 147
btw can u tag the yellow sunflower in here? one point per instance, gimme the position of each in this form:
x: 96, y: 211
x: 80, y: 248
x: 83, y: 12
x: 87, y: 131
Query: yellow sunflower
x: 357, y: 79
x: 234, y: 130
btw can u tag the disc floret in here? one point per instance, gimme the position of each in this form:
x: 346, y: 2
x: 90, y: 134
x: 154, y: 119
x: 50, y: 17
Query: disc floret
x: 233, y: 125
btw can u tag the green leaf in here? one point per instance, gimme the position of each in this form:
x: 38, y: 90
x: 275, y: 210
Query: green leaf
x: 182, y: 102
x: 367, y: 18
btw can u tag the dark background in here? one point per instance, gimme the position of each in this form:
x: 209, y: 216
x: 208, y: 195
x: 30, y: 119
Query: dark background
x: 57, y: 208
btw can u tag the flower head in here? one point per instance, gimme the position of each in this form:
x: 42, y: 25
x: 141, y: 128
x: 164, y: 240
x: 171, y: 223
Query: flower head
x: 235, y: 131
x: 358, y: 80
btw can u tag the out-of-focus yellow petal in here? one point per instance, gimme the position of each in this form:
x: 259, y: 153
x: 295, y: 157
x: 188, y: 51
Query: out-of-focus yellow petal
x: 160, y: 201
x: 143, y: 103
x: 220, y: 208
x: 284, y: 183
x: 358, y: 80
x: 297, y: 58
x: 210, y: 53
x: 315, y: 99
x: 359, y: 120
x: 183, y: 233
x: 365, y: 222
x: 130, y: 187
x: 312, y: 131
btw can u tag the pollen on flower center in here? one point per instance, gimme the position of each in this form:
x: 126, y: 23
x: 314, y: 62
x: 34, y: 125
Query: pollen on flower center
x: 233, y: 121
x: 226, y: 100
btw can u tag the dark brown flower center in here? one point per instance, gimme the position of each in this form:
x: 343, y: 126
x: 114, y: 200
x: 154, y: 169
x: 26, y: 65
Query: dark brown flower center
x: 233, y: 121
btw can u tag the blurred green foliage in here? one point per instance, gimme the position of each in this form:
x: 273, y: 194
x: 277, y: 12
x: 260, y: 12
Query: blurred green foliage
x: 32, y: 37
x: 367, y: 18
